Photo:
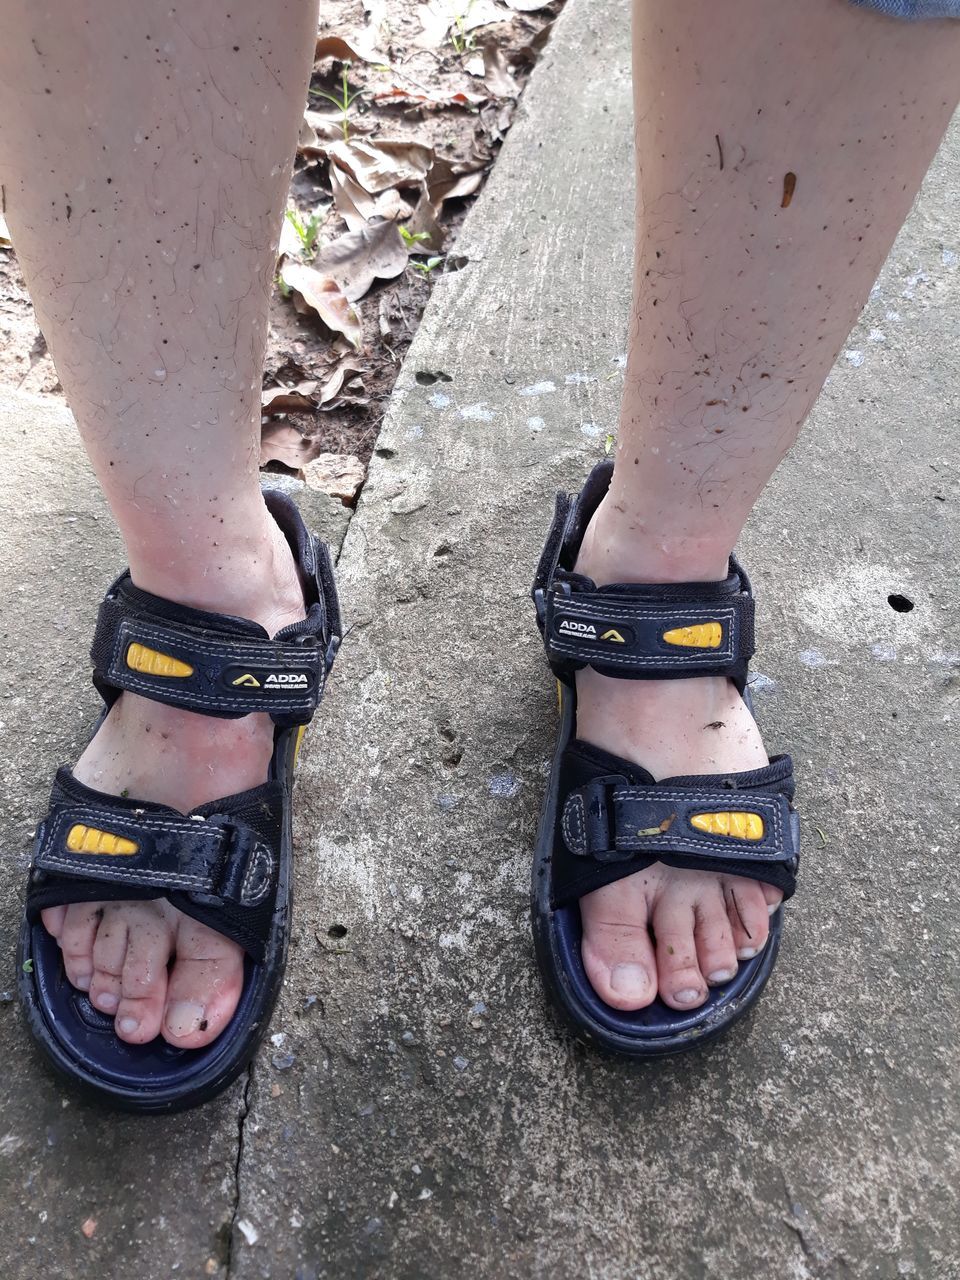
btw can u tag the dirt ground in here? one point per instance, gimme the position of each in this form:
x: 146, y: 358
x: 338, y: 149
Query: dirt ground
x: 433, y: 87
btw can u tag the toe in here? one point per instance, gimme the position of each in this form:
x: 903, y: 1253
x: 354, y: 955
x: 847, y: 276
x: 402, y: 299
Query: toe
x: 749, y: 915
x: 53, y: 919
x: 109, y: 951
x: 713, y: 935
x: 77, y: 937
x: 143, y: 983
x: 616, y: 948
x: 204, y: 986
x: 681, y: 983
x: 771, y: 896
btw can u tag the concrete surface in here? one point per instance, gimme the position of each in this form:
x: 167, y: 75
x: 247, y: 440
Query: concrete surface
x: 434, y: 1123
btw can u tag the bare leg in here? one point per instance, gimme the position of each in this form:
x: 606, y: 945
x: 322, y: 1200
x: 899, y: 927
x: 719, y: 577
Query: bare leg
x: 778, y: 151
x: 145, y: 156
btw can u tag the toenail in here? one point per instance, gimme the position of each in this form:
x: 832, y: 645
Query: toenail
x: 630, y: 980
x: 82, y: 981
x: 721, y: 975
x: 128, y: 1025
x: 747, y: 953
x: 687, y: 997
x: 184, y: 1017
x: 772, y: 907
x: 107, y: 1001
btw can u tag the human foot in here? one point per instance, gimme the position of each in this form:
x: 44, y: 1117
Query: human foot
x: 120, y: 952
x: 666, y: 930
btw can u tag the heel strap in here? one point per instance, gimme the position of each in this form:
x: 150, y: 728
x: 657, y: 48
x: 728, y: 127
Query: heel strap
x: 636, y: 631
x: 216, y: 664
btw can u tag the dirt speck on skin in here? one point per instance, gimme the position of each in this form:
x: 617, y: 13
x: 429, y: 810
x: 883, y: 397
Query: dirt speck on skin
x: 411, y: 96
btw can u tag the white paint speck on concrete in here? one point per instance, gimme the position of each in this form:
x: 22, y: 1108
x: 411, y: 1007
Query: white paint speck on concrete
x: 477, y: 412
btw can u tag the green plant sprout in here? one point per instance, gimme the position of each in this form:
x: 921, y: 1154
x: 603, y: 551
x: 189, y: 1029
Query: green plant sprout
x: 342, y: 101
x: 426, y: 267
x: 462, y: 39
x: 411, y: 238
x: 307, y: 232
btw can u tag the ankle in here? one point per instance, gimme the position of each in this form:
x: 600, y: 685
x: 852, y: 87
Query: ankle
x: 245, y: 568
x: 619, y: 547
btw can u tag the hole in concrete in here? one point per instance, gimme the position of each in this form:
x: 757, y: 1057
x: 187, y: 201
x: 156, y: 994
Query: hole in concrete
x: 444, y: 549
x: 384, y: 452
x: 446, y: 733
x: 901, y: 604
x: 337, y: 931
x: 427, y: 377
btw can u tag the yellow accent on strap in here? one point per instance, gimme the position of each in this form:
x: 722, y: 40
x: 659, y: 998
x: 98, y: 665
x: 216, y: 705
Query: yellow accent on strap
x: 613, y: 636
x: 296, y: 750
x: 153, y: 663
x: 81, y: 839
x: 705, y: 635
x: 247, y: 682
x: 744, y: 826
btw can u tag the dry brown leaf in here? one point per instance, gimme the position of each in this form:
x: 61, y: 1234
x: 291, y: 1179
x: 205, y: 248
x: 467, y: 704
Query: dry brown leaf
x: 376, y: 12
x: 339, y: 474
x: 496, y: 73
x: 319, y: 129
x: 282, y: 443
x: 321, y: 293
x: 298, y: 399
x: 438, y: 17
x: 348, y: 48
x: 289, y: 246
x: 354, y: 205
x: 382, y: 164
x: 356, y: 259
x: 447, y: 181
x: 462, y: 98
x: 495, y: 120
x: 345, y: 376
x: 423, y: 221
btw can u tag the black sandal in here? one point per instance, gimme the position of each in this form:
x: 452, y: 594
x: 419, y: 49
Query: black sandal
x: 605, y: 818
x: 227, y: 863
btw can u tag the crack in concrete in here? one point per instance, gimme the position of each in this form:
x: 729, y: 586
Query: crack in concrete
x: 231, y: 1223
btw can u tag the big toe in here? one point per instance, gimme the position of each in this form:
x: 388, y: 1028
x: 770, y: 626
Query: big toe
x: 204, y: 986
x: 616, y: 948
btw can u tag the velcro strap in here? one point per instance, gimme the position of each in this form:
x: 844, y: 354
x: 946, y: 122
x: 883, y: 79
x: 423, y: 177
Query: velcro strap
x: 609, y: 820
x: 637, y: 635
x: 217, y: 858
x: 214, y: 671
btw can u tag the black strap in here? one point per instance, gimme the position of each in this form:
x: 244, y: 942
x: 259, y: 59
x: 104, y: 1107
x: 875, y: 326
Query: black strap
x: 216, y: 664
x: 196, y: 662
x: 636, y: 631
x: 216, y: 859
x: 649, y: 631
x: 613, y: 819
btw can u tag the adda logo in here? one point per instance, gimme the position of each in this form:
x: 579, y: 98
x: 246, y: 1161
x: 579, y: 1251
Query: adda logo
x: 588, y: 631
x: 582, y: 630
x: 270, y: 681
